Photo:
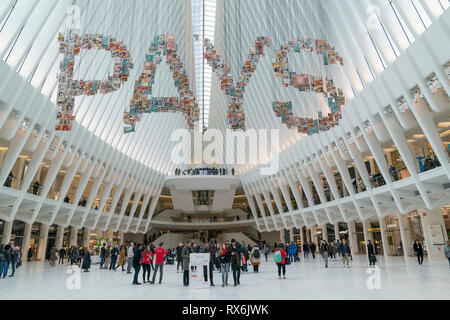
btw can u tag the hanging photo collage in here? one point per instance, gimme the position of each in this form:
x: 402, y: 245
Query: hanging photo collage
x: 162, y: 45
x: 69, y: 88
x: 234, y: 91
x: 308, y: 83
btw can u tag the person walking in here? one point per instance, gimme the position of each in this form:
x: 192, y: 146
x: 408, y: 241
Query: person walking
x: 114, y: 256
x: 130, y: 254
x: 160, y: 254
x: 179, y: 256
x: 147, y: 256
x: 235, y: 262
x: 280, y: 260
x: 121, y: 262
x: 418, y: 251
x: 346, y: 251
x: 52, y: 259
x: 224, y: 261
x: 255, y: 258
x: 266, y: 250
x: 312, y: 247
x: 62, y: 254
x: 29, y: 254
x: 107, y: 257
x: 137, y: 254
x: 16, y: 257
x: 292, y: 250
x: 371, y: 252
x: 447, y: 252
x: 324, y: 252
x: 185, y: 254
x: 103, y: 256
x: 86, y: 260
x: 305, y: 250
x: 3, y: 264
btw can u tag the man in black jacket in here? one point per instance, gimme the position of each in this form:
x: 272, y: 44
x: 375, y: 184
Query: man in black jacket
x: 212, y: 256
x: 179, y: 258
x: 185, y: 254
x: 137, y: 262
x: 62, y: 254
x: 312, y: 246
x: 305, y: 250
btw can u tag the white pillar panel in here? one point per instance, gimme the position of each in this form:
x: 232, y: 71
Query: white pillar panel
x: 352, y: 237
x: 435, y: 232
x: 26, y: 241
x: 42, y: 246
x: 7, y: 232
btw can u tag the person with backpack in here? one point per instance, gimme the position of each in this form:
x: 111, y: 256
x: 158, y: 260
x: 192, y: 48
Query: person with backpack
x: 266, y: 251
x: 255, y: 257
x: 312, y: 247
x: 235, y: 262
x: 3, y: 264
x: 280, y: 259
x: 146, y: 258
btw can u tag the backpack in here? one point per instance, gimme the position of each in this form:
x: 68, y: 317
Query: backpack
x: 256, y: 254
x: 277, y: 256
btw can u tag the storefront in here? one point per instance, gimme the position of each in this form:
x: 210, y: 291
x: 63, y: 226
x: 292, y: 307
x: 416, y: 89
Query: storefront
x: 17, y: 233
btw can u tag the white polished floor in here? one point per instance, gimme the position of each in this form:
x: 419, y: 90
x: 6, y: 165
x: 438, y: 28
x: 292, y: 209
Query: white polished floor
x: 305, y: 280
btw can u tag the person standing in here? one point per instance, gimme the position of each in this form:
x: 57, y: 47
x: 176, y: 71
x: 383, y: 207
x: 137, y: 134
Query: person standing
x: 137, y: 254
x: 62, y: 254
x: 52, y: 259
x: 114, y: 256
x: 447, y: 252
x: 346, y: 251
x: 29, y: 253
x: 86, y: 260
x: 130, y: 254
x: 266, y: 250
x: 324, y: 252
x: 280, y: 260
x: 159, y: 254
x: 371, y: 252
x: 185, y: 254
x: 418, y: 251
x: 107, y: 256
x: 3, y: 264
x: 313, y: 248
x: 16, y: 255
x: 235, y: 262
x: 255, y: 257
x: 224, y: 261
x: 147, y: 256
x: 292, y: 251
x: 179, y: 257
x: 212, y: 255
x: 305, y: 250
x: 121, y: 262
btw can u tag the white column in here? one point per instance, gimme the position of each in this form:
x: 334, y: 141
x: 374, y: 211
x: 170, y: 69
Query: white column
x: 7, y: 232
x: 86, y: 237
x: 353, y: 239
x: 336, y: 231
x: 406, y: 237
x: 42, y: 246
x: 282, y: 236
x: 308, y: 237
x: 73, y: 236
x: 325, y: 233
x: 291, y: 234
x: 26, y: 241
x: 301, y: 237
x: 59, y: 237
x: 434, y: 231
x: 366, y: 226
x: 314, y: 235
x: 122, y: 240
x: 384, y: 240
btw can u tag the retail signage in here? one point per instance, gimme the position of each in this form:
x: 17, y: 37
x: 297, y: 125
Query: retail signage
x: 373, y: 229
x: 164, y: 45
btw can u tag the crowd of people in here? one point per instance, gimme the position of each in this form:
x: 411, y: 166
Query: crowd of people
x: 10, y: 256
x: 204, y: 172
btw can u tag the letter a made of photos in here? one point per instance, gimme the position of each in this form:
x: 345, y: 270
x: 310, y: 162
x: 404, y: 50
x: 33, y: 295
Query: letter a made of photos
x: 162, y: 45
x: 69, y: 88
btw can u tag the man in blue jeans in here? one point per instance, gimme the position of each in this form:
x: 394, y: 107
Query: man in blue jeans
x: 102, y: 255
x: 292, y: 250
x: 137, y: 263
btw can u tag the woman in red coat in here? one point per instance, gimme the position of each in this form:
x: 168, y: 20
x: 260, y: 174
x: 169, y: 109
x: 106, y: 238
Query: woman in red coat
x: 280, y: 260
x: 146, y: 260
